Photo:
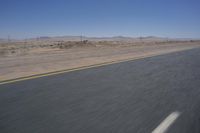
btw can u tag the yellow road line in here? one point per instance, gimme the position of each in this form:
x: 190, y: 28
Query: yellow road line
x: 75, y: 69
x: 70, y: 70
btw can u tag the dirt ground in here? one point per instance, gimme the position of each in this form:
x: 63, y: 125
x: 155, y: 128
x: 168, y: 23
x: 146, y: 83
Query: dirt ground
x: 37, y: 60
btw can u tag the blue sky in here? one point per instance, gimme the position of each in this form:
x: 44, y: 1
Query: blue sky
x: 165, y: 18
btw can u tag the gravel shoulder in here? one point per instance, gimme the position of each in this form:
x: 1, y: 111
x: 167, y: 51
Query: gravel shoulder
x: 48, y: 60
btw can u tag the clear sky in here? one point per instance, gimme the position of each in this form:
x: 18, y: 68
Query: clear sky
x: 165, y: 18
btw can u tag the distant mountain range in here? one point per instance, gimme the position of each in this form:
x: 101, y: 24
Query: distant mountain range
x: 6, y: 40
x: 79, y: 38
x: 3, y: 40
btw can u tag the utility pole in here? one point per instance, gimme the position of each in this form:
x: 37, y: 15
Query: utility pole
x: 8, y: 38
x: 167, y: 39
x: 140, y: 39
x: 25, y: 41
x: 81, y: 38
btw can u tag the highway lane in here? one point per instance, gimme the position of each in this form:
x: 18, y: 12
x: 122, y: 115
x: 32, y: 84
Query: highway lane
x: 129, y: 97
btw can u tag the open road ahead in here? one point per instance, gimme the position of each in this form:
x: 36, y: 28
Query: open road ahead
x: 156, y: 94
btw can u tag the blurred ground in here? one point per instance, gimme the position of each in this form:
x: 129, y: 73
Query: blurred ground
x: 19, y: 59
x: 127, y: 97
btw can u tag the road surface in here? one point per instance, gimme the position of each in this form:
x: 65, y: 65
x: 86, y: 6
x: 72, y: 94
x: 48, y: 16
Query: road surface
x: 156, y: 94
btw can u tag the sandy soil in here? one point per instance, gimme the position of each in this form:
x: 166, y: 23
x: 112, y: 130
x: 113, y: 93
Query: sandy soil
x: 43, y: 60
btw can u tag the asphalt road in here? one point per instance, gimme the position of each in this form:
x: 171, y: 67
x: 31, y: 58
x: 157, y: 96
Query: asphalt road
x: 129, y: 97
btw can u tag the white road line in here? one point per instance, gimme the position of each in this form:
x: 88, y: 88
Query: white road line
x: 162, y: 128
